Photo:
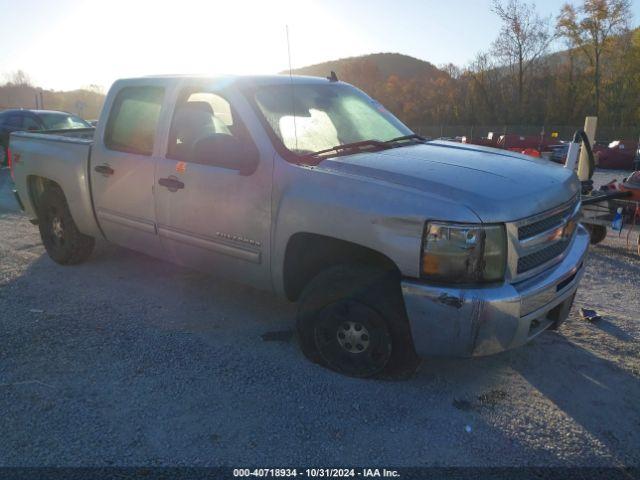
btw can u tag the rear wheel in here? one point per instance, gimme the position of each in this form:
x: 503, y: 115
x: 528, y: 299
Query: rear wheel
x: 352, y: 320
x: 64, y: 243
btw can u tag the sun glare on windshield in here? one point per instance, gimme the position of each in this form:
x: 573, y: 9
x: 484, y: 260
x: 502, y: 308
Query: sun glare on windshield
x: 312, y: 117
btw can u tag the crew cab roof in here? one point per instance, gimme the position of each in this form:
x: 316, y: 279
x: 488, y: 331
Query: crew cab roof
x: 244, y: 80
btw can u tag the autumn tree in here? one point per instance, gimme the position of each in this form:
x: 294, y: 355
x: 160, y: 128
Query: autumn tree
x: 591, y: 29
x: 622, y: 83
x: 485, y: 90
x: 524, y: 37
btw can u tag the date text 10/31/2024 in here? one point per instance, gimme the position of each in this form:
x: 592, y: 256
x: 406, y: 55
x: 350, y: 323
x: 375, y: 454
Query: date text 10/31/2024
x: 316, y: 472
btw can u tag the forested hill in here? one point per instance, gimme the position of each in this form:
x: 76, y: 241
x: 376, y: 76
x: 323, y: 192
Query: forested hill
x: 404, y: 84
x: 384, y: 64
x: 557, y: 87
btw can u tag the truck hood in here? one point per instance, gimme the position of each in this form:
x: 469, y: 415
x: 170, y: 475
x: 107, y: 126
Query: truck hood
x: 497, y: 185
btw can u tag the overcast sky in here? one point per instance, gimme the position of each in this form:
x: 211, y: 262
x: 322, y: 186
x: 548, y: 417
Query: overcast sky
x: 66, y: 44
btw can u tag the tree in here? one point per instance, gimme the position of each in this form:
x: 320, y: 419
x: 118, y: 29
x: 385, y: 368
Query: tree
x: 19, y: 79
x: 93, y: 88
x: 620, y: 87
x: 524, y: 37
x: 591, y: 28
x: 485, y: 90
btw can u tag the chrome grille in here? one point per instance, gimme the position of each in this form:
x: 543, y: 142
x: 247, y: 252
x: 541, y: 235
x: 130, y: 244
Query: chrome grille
x: 533, y: 229
x: 537, y: 242
x: 540, y: 257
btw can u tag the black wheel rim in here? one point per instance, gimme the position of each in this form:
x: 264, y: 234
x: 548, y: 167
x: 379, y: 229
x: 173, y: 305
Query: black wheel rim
x: 353, y: 338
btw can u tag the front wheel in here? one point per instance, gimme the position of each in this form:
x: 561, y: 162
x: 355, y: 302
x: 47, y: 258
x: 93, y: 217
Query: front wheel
x: 64, y: 243
x: 352, y: 320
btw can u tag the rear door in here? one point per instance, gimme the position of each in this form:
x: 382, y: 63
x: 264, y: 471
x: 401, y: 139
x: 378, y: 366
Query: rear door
x: 211, y: 217
x: 122, y: 167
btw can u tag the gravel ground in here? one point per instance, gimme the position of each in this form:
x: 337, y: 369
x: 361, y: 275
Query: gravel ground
x: 126, y: 360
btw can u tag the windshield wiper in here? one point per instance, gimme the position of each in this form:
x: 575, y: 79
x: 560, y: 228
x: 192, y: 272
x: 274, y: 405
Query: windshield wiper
x: 363, y: 144
x: 377, y: 144
x: 413, y: 136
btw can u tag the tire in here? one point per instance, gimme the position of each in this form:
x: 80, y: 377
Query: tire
x: 351, y: 319
x: 597, y: 233
x: 60, y: 235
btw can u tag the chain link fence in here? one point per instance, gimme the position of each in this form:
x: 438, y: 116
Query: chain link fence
x: 604, y: 134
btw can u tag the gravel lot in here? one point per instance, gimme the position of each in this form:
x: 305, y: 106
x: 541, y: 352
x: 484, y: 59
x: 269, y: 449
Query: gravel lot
x: 126, y: 360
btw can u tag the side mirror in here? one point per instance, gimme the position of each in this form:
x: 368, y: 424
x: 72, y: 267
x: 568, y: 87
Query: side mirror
x: 226, y: 151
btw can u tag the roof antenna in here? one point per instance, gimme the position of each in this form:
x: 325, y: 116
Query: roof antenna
x: 293, y: 93
x: 332, y: 77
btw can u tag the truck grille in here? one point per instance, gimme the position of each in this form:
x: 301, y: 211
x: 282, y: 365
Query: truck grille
x: 533, y: 229
x: 540, y: 257
x: 541, y: 240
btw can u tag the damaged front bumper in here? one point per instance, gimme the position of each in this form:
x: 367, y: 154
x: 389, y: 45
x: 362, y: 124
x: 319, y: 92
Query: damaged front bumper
x: 482, y: 321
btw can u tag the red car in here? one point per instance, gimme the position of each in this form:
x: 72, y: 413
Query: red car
x: 489, y: 141
x: 512, y: 141
x: 619, y: 154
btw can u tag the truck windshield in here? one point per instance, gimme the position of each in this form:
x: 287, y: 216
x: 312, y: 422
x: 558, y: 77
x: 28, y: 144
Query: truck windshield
x: 314, y: 117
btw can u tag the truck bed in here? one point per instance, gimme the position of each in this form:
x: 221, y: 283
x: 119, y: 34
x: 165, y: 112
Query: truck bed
x: 62, y: 156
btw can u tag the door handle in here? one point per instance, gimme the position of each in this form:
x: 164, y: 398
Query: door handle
x: 172, y: 183
x: 104, y: 170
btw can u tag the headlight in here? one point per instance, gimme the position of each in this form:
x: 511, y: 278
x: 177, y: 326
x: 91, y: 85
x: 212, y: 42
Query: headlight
x: 464, y: 253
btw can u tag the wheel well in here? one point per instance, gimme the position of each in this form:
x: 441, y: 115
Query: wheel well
x: 308, y: 254
x: 36, y: 186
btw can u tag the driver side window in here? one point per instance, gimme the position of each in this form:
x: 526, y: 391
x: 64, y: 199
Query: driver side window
x: 199, y: 115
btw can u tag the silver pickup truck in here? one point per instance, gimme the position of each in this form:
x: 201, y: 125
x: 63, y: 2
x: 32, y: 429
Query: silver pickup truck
x: 395, y: 247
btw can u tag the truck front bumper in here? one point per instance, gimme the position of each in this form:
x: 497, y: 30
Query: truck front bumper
x: 482, y: 321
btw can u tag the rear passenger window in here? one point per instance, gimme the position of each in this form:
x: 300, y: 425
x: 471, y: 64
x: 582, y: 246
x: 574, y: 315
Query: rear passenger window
x: 133, y: 120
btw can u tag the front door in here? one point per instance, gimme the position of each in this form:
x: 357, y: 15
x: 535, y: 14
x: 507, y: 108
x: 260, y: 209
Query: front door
x: 211, y: 215
x: 123, y: 166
